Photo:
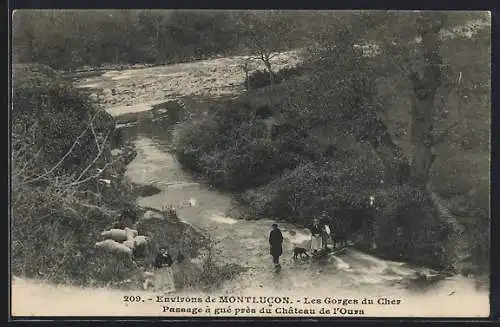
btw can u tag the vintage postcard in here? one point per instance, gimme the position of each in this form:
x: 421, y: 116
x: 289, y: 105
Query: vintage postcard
x: 252, y: 163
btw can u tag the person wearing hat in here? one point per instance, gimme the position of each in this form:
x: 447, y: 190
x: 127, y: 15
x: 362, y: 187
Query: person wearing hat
x: 163, y: 273
x: 276, y: 243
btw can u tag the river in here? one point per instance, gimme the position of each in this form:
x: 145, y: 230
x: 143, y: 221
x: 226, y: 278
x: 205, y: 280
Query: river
x: 244, y: 242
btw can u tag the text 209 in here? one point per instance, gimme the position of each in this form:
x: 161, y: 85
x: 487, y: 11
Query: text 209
x: 134, y: 298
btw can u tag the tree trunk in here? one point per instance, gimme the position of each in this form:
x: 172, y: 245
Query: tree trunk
x: 396, y: 166
x: 421, y: 129
x: 117, y: 55
x: 425, y: 85
x: 267, y: 63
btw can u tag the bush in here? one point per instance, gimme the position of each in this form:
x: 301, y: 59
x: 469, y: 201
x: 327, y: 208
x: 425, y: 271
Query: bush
x: 54, y: 229
x: 305, y: 192
x: 49, y: 115
x: 258, y: 79
x: 56, y: 216
x: 261, y: 78
x: 233, y: 149
x: 288, y: 72
x: 409, y: 229
x: 214, y: 273
x: 473, y: 212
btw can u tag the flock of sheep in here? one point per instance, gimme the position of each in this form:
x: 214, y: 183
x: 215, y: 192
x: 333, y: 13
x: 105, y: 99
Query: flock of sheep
x: 123, y: 241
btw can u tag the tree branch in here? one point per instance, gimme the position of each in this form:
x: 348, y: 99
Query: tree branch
x: 93, y: 176
x: 20, y: 171
x: 95, y: 159
x: 95, y: 136
x: 63, y: 157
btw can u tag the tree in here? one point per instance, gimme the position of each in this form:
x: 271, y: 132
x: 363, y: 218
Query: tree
x: 416, y: 52
x: 266, y: 33
x: 408, y: 51
x: 344, y: 97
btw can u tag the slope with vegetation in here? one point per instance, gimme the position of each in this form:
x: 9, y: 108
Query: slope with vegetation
x: 68, y: 186
x: 402, y: 122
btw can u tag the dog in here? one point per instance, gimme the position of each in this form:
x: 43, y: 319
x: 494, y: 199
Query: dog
x: 299, y: 252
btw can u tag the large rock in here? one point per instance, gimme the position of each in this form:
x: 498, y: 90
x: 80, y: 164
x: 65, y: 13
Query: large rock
x: 145, y: 190
x: 150, y: 214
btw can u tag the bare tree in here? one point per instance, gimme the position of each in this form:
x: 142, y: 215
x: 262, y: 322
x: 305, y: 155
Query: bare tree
x: 266, y: 34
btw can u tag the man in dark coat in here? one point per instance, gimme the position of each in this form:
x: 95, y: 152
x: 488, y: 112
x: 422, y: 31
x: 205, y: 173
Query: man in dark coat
x: 276, y: 242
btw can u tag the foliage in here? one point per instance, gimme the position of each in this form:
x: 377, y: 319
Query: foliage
x: 58, y: 214
x: 70, y: 39
x: 260, y: 78
x: 344, y: 104
x: 244, y: 157
x: 214, y: 273
x: 48, y: 115
x: 93, y: 37
x: 303, y: 193
x: 408, y: 228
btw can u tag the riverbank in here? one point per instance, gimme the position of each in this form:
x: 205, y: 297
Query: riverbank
x: 194, y: 103
x: 273, y: 147
x: 243, y: 243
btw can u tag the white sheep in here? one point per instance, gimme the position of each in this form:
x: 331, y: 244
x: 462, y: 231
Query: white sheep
x: 140, y: 240
x: 130, y: 233
x: 113, y: 246
x: 140, y: 245
x: 130, y: 244
x: 118, y: 235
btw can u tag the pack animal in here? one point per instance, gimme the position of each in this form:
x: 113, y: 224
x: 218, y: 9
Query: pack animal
x: 299, y: 252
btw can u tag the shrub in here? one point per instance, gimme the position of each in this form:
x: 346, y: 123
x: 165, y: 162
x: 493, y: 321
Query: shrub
x: 54, y: 229
x: 56, y: 216
x: 261, y: 78
x: 232, y: 149
x: 49, y: 115
x: 473, y: 212
x: 213, y: 273
x: 288, y: 72
x: 306, y: 191
x: 258, y: 79
x: 409, y: 229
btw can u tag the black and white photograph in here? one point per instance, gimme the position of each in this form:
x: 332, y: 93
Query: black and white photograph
x: 250, y: 163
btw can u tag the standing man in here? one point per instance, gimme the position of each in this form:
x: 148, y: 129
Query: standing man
x: 276, y: 242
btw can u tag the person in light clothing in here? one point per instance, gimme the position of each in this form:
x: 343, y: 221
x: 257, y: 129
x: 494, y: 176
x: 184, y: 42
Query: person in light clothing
x: 316, y: 236
x: 325, y: 231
